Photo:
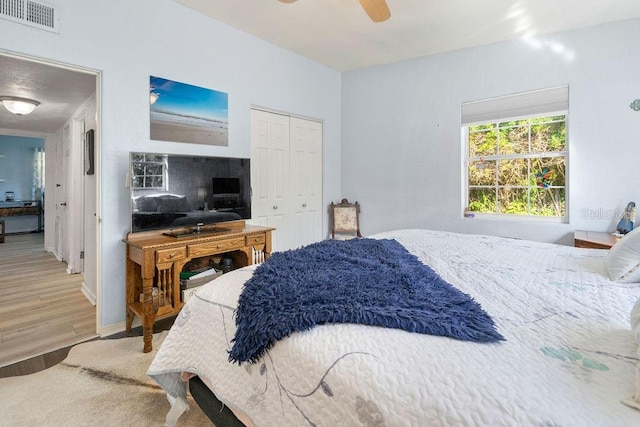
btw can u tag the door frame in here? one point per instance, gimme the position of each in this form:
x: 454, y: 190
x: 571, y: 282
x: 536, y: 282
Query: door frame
x: 62, y: 200
x: 51, y: 139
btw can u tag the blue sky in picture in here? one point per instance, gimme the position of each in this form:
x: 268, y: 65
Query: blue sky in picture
x: 187, y: 100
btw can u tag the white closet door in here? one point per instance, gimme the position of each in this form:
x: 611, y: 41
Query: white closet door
x: 270, y: 204
x: 306, y: 180
x: 286, y: 178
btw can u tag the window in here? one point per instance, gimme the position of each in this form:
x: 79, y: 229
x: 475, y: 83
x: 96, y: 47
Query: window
x: 516, y: 166
x: 149, y: 171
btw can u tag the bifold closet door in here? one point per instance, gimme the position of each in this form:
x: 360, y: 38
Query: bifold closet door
x: 270, y: 175
x: 286, y: 177
x: 305, y: 156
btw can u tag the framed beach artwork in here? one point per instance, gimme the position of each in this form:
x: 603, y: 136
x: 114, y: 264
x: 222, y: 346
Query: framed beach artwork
x: 185, y: 113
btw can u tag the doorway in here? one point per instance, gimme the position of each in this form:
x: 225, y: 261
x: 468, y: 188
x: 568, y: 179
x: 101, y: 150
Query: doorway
x: 68, y: 107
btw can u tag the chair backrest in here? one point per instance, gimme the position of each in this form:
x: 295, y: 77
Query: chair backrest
x: 344, y: 219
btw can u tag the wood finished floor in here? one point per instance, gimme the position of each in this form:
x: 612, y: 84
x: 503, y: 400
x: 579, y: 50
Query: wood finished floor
x: 47, y: 360
x: 42, y: 308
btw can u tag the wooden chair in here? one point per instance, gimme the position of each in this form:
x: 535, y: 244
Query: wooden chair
x: 344, y: 220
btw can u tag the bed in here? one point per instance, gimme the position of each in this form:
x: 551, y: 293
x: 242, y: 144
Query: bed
x: 569, y: 356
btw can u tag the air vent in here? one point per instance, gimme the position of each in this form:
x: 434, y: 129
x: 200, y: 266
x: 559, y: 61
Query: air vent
x: 33, y: 13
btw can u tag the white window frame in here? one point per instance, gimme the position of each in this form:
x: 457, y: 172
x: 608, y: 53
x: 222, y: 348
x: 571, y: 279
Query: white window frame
x: 165, y: 175
x: 542, y: 103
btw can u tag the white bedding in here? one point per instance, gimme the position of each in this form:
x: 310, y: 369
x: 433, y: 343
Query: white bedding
x: 569, y: 356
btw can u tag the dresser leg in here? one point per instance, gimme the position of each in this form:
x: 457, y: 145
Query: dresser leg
x: 148, y: 319
x: 147, y: 335
x: 129, y: 320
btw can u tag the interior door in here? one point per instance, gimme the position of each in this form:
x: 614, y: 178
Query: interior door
x: 76, y: 210
x: 270, y: 175
x: 62, y: 156
x: 306, y: 180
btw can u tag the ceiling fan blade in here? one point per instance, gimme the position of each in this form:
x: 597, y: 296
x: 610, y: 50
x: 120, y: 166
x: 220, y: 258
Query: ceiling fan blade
x: 377, y: 10
x: 286, y: 1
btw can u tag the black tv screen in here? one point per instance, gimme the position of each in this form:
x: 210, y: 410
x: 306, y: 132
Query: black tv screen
x: 226, y: 185
x: 175, y: 191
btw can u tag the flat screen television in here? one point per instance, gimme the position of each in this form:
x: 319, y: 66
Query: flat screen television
x: 174, y: 191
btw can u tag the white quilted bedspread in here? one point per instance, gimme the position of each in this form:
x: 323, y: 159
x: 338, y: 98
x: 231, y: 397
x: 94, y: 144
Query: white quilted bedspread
x: 568, y: 360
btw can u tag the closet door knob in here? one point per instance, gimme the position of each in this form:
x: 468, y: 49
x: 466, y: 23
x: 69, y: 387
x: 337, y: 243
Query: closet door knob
x: 275, y: 207
x: 304, y: 205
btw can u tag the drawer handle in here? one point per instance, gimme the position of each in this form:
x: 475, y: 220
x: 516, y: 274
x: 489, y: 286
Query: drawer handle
x: 218, y: 247
x: 172, y: 255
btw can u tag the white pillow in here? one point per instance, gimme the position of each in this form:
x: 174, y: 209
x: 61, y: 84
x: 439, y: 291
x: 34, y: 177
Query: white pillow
x: 623, y: 261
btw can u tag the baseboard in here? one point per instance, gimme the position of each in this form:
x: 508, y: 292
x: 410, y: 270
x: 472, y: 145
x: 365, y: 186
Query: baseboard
x: 118, y: 327
x: 88, y: 294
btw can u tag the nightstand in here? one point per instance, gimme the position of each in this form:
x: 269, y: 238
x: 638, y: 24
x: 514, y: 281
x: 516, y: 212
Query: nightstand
x: 594, y: 239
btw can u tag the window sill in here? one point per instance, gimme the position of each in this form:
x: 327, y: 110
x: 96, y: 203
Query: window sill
x: 516, y: 218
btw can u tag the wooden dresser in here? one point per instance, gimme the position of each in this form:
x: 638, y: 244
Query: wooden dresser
x: 22, y: 208
x: 155, y: 261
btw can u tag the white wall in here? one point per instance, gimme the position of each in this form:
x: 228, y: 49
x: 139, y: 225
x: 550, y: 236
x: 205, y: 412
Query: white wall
x: 401, y: 148
x: 130, y: 40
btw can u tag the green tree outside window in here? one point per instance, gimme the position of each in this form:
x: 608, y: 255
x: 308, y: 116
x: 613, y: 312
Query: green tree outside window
x: 518, y: 167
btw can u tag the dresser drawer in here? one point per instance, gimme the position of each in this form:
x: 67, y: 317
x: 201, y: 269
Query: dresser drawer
x: 208, y: 248
x: 256, y: 239
x: 168, y: 255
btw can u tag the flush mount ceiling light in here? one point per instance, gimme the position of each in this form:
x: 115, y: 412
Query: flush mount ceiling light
x: 18, y: 106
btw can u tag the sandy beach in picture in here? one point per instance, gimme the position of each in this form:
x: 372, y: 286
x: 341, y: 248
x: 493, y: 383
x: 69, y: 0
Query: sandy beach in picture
x: 168, y: 131
x: 184, y: 113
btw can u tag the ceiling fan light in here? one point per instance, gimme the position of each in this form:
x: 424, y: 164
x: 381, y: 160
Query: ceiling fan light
x: 19, y: 106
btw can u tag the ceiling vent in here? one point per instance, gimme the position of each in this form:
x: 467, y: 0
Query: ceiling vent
x: 33, y: 13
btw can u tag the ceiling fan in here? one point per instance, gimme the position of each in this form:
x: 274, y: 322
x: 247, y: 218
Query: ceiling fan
x: 377, y: 10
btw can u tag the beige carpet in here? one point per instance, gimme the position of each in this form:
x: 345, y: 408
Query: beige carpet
x: 100, y: 383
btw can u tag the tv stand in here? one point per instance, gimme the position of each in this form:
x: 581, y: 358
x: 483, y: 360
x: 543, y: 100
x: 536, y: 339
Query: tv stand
x: 155, y: 261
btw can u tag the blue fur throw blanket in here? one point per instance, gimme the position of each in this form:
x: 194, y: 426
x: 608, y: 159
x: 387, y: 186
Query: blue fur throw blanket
x: 367, y: 281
